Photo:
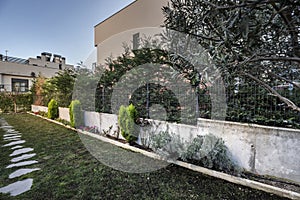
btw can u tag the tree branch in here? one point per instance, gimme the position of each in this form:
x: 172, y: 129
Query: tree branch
x: 295, y: 59
x: 241, y: 5
x: 288, y: 102
x: 285, y: 79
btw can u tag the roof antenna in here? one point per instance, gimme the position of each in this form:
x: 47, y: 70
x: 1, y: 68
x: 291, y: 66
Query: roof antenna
x: 6, y: 55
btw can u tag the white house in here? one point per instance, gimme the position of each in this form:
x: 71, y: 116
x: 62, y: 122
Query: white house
x: 127, y: 26
x: 17, y: 74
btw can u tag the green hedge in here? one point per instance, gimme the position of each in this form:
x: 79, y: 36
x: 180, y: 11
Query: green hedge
x: 23, y: 102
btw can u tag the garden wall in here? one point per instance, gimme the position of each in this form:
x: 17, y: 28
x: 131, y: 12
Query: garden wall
x: 260, y: 149
x: 104, y: 122
x: 35, y: 108
x: 63, y: 112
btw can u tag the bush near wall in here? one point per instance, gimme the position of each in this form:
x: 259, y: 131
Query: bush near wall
x: 126, y: 119
x: 53, y: 109
x: 76, y: 114
x: 23, y: 102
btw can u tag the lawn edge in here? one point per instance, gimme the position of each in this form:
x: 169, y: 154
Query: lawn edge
x: 233, y: 179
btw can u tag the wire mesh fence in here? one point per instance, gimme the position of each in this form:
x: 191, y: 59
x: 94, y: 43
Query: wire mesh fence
x: 249, y: 103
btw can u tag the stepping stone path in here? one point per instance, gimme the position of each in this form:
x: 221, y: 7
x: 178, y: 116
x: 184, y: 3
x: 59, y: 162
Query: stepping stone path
x: 19, y: 158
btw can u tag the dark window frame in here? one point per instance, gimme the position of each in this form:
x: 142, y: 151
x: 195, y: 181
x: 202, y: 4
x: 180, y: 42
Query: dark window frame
x: 135, y: 41
x: 19, y: 85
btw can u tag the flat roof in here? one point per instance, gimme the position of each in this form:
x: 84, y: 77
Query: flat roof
x: 116, y: 13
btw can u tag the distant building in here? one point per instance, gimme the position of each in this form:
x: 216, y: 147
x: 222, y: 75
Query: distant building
x: 17, y: 74
x: 137, y: 15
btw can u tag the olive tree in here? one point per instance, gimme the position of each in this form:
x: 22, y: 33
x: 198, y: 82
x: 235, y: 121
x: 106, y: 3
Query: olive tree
x: 250, y: 40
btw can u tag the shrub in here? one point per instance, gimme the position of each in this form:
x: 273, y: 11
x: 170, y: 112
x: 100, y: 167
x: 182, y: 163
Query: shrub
x: 207, y: 151
x: 52, y: 109
x: 76, y: 114
x: 169, y: 146
x: 8, y: 100
x: 127, y: 117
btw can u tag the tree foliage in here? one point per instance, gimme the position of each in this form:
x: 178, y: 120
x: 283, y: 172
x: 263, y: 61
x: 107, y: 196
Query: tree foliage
x: 252, y: 40
x: 131, y: 59
x: 59, y: 87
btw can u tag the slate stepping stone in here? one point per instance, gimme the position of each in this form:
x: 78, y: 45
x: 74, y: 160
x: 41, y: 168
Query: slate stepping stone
x: 14, y: 143
x: 23, y: 157
x: 16, y: 147
x: 21, y: 172
x: 20, y: 164
x: 18, y: 187
x: 20, y: 151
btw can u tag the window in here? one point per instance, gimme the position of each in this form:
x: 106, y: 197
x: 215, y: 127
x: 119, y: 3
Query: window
x: 135, y: 41
x: 19, y: 85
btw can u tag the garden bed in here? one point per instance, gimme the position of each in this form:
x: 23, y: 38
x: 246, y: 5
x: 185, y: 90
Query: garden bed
x: 278, y: 183
x: 69, y: 171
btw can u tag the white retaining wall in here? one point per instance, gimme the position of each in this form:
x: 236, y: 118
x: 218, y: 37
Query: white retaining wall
x: 63, y: 112
x: 107, y: 123
x: 260, y: 149
x: 35, y: 108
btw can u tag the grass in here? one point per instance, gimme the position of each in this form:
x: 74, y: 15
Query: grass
x: 69, y: 171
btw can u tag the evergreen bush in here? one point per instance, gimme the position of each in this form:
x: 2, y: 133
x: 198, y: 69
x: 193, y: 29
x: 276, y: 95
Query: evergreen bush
x: 126, y: 119
x: 76, y: 114
x: 52, y: 109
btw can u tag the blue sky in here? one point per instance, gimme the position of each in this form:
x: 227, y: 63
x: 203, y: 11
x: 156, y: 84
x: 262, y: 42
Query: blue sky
x: 64, y: 27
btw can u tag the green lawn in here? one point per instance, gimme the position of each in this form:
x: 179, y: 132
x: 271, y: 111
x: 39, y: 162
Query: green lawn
x: 69, y: 171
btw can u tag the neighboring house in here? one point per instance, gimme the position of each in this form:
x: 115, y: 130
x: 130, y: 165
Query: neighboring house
x: 138, y: 15
x: 17, y: 74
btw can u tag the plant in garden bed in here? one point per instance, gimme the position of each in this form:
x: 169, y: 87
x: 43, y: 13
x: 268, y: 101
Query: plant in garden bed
x: 169, y: 146
x: 126, y: 119
x: 76, y: 114
x: 207, y: 151
x: 91, y: 129
x: 211, y: 152
x: 63, y: 121
x: 52, y: 109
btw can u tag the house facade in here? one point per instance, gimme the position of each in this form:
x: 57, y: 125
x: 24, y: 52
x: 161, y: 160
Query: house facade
x: 17, y: 74
x: 136, y: 20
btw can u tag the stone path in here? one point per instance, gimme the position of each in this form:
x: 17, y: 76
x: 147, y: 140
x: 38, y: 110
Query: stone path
x: 20, y: 156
